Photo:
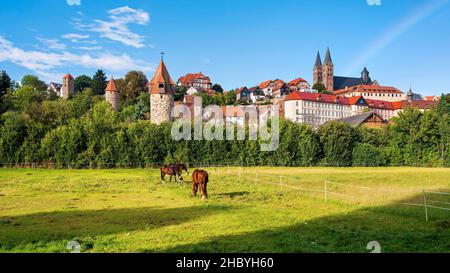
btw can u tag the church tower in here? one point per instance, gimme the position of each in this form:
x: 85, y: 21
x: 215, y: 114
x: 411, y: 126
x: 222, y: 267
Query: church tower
x: 317, y: 75
x: 161, y: 89
x: 112, y: 94
x: 365, y: 77
x: 328, y: 72
x: 68, y: 87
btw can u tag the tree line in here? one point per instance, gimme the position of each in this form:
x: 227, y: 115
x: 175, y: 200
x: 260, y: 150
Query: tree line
x: 84, y: 132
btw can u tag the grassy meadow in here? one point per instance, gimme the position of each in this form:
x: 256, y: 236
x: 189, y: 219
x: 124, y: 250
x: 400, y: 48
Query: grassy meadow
x: 272, y: 210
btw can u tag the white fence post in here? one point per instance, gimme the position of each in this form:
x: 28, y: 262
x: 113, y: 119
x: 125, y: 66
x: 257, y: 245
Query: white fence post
x: 425, y: 204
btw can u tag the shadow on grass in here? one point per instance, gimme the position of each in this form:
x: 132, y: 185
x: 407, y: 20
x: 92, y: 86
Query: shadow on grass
x: 396, y: 227
x: 67, y: 225
x: 234, y: 194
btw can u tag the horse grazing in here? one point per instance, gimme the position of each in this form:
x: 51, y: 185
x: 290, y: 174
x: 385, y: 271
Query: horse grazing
x: 200, y: 180
x: 180, y: 168
x: 172, y: 171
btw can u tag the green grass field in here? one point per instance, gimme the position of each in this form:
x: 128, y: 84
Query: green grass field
x: 131, y: 211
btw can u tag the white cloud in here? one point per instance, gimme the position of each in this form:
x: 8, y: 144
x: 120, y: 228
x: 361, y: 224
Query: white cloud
x: 53, y: 44
x: 116, y: 28
x: 75, y: 38
x: 45, y: 63
x: 73, y: 2
x: 89, y: 48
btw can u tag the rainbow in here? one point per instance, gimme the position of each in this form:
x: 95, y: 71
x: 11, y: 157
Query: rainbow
x: 420, y: 14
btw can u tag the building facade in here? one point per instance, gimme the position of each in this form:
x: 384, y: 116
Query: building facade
x: 317, y: 109
x: 196, y: 80
x: 373, y: 92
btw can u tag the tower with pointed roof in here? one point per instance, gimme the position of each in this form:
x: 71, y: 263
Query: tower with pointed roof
x: 112, y: 94
x: 328, y: 72
x: 161, y: 89
x: 365, y: 77
x: 317, y: 75
x: 68, y: 87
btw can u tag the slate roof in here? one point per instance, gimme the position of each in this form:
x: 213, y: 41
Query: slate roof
x: 357, y: 120
x: 343, y: 82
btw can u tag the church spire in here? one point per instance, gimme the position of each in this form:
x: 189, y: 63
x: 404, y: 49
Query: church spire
x: 318, y: 60
x: 328, y: 57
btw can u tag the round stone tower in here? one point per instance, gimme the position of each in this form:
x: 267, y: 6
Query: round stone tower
x: 68, y: 87
x: 112, y: 94
x: 161, y: 89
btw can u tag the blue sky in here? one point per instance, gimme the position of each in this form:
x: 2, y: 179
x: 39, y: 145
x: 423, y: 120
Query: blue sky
x: 235, y: 42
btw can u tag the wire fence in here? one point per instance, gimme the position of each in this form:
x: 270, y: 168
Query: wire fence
x: 152, y: 165
x: 330, y: 189
x: 250, y: 172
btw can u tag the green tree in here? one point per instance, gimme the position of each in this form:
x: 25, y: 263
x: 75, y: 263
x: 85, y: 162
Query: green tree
x: 229, y: 97
x: 319, y: 87
x: 134, y: 84
x: 217, y: 88
x: 82, y: 82
x: 180, y: 91
x: 5, y: 86
x: 443, y: 106
x: 337, y: 143
x: 366, y: 155
x: 34, y: 82
x: 99, y: 83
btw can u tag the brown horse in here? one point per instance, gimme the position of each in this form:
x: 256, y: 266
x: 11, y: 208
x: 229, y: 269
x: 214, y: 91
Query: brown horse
x: 172, y: 171
x: 200, y: 180
x: 180, y: 168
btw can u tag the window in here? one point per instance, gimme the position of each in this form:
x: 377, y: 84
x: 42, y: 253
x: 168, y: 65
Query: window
x: 161, y: 85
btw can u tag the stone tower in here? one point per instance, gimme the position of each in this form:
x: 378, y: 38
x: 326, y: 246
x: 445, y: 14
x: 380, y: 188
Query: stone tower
x: 161, y: 89
x: 68, y: 87
x: 317, y: 76
x: 112, y: 94
x: 328, y: 72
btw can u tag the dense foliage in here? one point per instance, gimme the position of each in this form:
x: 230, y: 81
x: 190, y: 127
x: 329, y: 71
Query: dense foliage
x: 38, y: 127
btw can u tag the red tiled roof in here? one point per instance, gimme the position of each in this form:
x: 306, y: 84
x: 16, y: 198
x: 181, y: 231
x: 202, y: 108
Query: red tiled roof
x: 378, y: 104
x: 111, y: 87
x: 161, y: 77
x: 369, y: 89
x: 189, y: 78
x: 240, y: 90
x: 68, y: 76
x: 322, y: 98
x: 296, y: 82
x: 265, y: 84
x: 397, y: 105
x: 432, y: 98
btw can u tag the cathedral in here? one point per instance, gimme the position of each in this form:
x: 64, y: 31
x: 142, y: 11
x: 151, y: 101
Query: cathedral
x: 324, y: 73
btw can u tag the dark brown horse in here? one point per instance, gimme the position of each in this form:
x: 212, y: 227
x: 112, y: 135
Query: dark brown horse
x: 172, y: 171
x: 180, y: 168
x: 200, y: 180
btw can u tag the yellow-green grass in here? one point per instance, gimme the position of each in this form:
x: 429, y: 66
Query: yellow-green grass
x: 248, y: 211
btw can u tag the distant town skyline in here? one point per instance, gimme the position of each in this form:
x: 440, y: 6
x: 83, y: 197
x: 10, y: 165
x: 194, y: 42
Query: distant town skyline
x: 237, y: 43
